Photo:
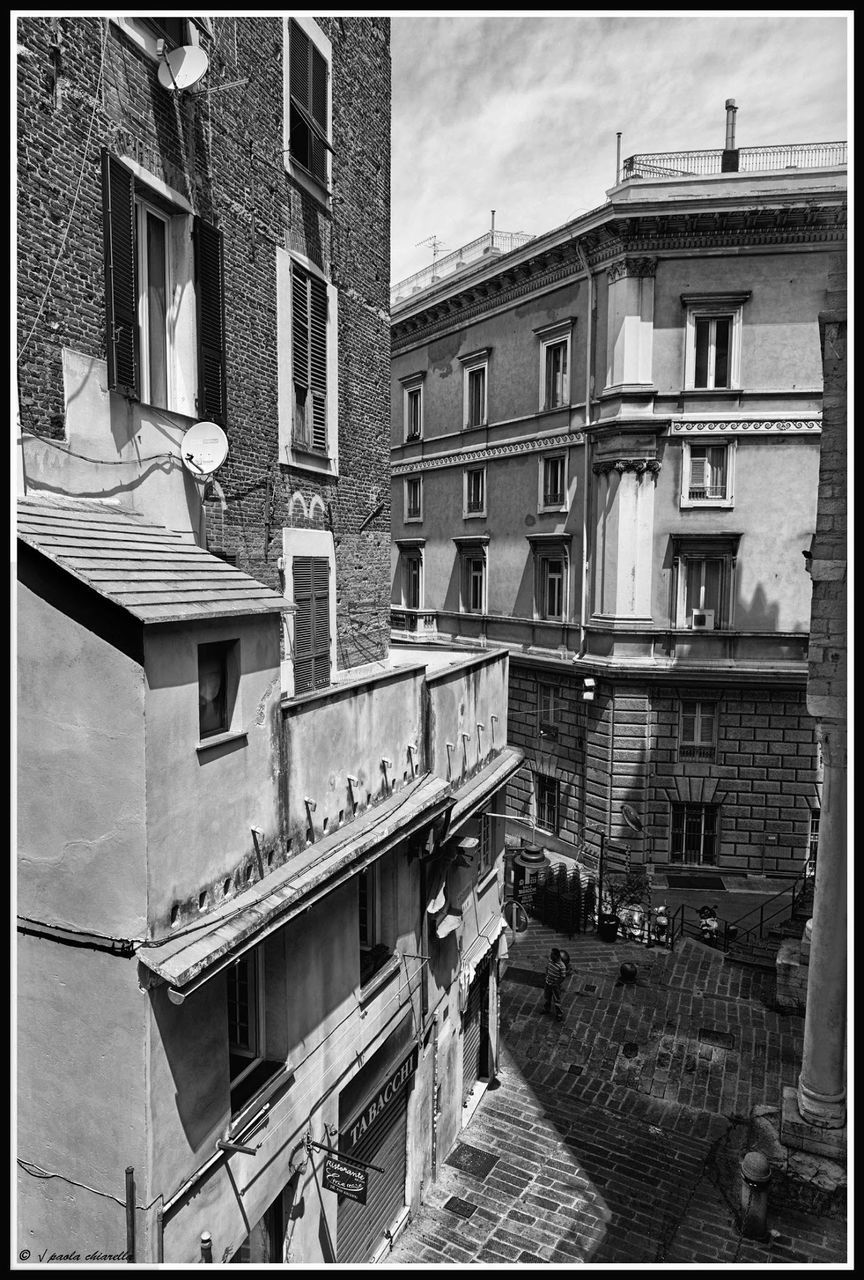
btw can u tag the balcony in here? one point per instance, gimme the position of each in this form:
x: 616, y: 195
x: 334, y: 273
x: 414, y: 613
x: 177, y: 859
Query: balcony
x: 693, y: 164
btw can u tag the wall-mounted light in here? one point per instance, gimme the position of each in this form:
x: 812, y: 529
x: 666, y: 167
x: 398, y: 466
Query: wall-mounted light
x: 589, y: 686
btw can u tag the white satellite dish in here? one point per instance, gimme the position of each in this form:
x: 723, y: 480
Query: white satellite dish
x: 183, y: 68
x: 204, y: 448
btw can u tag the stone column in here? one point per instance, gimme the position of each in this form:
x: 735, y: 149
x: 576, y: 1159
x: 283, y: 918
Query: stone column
x: 822, y: 1084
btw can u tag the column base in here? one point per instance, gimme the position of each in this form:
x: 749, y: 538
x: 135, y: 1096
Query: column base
x: 803, y: 1135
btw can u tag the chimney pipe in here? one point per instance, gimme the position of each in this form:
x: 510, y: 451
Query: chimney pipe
x: 617, y: 159
x: 731, y: 110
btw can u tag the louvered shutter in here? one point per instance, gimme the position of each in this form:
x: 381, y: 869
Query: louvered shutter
x: 311, y: 623
x: 308, y: 75
x: 210, y: 290
x: 300, y: 353
x: 121, y: 287
x: 318, y: 111
x: 698, y: 473
x: 318, y: 361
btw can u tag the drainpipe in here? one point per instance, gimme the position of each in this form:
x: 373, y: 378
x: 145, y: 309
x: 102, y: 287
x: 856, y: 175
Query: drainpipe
x: 130, y: 1213
x: 589, y: 340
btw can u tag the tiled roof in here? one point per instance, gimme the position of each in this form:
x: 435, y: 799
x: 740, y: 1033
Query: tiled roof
x: 155, y: 574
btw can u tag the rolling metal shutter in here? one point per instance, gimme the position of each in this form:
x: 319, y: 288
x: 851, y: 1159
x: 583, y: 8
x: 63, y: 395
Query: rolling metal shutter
x: 360, y: 1227
x: 475, y: 1028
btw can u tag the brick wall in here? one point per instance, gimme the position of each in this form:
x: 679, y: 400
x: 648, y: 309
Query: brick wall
x: 224, y: 153
x: 624, y: 747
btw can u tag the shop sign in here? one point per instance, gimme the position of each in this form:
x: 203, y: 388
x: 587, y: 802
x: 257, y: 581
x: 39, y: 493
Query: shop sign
x: 393, y: 1085
x: 345, y: 1179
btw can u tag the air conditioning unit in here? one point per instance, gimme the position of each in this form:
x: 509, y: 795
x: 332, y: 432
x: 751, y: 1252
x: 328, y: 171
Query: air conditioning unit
x: 703, y: 620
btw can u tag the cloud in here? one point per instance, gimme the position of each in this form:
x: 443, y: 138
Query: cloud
x: 520, y: 113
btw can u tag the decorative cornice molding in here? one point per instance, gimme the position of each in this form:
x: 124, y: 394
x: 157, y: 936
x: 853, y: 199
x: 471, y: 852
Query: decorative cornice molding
x: 748, y: 426
x: 465, y: 456
x: 639, y: 465
x: 637, y: 267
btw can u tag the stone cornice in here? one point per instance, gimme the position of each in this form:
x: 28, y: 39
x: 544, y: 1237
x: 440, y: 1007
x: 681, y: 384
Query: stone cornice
x: 639, y: 465
x: 637, y: 267
x: 750, y: 426
x: 462, y: 457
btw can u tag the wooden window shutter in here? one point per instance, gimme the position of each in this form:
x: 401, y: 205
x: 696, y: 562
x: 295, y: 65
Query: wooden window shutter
x: 210, y: 290
x: 121, y: 285
x: 311, y: 576
x: 300, y: 354
x: 318, y: 108
x: 308, y: 81
x: 318, y: 361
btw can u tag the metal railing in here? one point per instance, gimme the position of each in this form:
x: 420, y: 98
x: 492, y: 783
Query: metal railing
x: 491, y: 242
x: 689, y: 164
x: 773, y: 911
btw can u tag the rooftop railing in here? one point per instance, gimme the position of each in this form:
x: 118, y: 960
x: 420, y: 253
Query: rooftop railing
x: 493, y: 242
x: 689, y: 164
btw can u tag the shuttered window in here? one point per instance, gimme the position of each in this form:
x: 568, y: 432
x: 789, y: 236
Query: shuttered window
x: 308, y: 136
x: 311, y: 623
x: 309, y: 360
x: 210, y: 295
x: 121, y: 286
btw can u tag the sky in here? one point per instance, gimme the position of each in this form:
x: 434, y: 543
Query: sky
x: 519, y: 113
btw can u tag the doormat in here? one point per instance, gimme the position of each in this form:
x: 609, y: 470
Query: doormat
x: 529, y: 977
x: 693, y: 882
x: 472, y: 1160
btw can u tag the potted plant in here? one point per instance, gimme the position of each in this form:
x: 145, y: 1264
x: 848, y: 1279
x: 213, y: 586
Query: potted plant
x: 619, y: 892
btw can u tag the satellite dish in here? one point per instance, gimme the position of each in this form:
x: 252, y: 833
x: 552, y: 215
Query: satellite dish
x: 631, y: 817
x: 183, y: 67
x: 204, y: 448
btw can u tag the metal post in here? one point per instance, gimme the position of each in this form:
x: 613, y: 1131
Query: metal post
x: 600, y: 879
x: 130, y: 1213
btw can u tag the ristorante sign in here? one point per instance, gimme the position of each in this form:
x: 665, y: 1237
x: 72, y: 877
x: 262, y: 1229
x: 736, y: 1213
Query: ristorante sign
x: 345, y: 1179
x: 390, y: 1089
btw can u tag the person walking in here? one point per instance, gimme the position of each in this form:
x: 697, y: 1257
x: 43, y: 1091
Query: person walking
x: 556, y: 971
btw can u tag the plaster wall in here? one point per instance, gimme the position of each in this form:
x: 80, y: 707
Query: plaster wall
x: 81, y: 1111
x: 460, y: 698
x: 80, y: 794
x: 513, y: 376
x: 775, y: 510
x: 116, y: 448
x: 780, y: 329
x: 349, y: 729
x: 203, y: 799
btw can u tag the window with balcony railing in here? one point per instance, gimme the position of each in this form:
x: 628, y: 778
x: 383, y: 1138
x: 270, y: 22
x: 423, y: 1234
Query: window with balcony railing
x: 697, y: 738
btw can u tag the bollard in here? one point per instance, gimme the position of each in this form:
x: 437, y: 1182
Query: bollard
x: 755, y: 1176
x: 206, y: 1247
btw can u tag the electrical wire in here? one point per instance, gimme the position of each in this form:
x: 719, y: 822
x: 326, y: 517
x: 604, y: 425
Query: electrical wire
x: 96, y: 97
x: 102, y: 462
x: 36, y: 1172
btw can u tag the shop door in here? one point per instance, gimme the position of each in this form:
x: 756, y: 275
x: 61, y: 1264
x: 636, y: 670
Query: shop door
x: 264, y: 1241
x: 360, y: 1227
x: 475, y: 1032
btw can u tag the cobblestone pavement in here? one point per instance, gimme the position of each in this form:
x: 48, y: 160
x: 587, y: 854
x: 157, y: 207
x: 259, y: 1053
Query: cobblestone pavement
x: 615, y: 1136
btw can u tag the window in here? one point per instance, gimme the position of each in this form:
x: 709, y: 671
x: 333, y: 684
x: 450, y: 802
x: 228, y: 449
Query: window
x: 412, y: 580
x: 414, y: 498
x: 475, y: 388
x: 813, y: 841
x: 308, y: 363
x: 553, y: 482
x: 550, y: 705
x: 217, y: 679
x: 552, y: 578
x: 547, y: 795
x: 472, y: 555
x: 707, y: 475
x: 249, y: 1066
x: 551, y: 567
x: 705, y: 578
x: 412, y: 406
x: 158, y: 326
x: 145, y: 32
x: 713, y: 340
x: 475, y: 491
x: 309, y: 360
x: 308, y: 97
x: 173, y: 30
x: 555, y: 364
x: 311, y: 576
x: 697, y: 738
x: 694, y: 834
x: 373, y: 952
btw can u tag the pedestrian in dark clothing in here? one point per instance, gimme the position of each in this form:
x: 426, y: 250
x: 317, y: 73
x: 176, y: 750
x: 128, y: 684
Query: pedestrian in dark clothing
x: 556, y: 971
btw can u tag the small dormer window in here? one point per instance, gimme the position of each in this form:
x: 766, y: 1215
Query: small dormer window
x: 216, y: 687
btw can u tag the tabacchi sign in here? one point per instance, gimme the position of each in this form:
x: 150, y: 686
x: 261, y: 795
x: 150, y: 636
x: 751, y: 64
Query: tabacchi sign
x: 393, y: 1085
x: 345, y: 1179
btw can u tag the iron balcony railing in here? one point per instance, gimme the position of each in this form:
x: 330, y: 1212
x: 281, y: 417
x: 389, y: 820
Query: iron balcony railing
x: 688, y: 164
x: 492, y: 242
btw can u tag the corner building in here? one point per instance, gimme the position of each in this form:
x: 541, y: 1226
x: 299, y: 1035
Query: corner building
x: 605, y: 456
x: 258, y: 889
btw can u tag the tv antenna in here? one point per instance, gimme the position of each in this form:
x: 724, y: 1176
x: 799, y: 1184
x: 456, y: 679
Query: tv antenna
x: 434, y: 244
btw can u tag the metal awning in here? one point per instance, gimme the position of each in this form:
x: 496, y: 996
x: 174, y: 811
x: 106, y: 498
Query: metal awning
x: 472, y: 956
x: 485, y: 783
x: 185, y: 961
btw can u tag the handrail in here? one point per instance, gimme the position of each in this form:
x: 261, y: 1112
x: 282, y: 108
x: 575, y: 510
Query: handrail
x: 796, y: 889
